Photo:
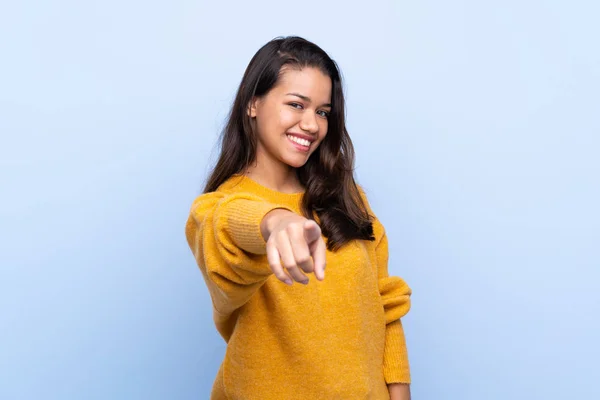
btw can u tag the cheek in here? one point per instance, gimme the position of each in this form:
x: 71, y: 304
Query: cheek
x: 269, y: 122
x: 287, y: 118
x: 322, y: 134
x: 323, y: 127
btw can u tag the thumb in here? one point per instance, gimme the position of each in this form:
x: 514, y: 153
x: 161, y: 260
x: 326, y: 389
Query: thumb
x: 312, y: 231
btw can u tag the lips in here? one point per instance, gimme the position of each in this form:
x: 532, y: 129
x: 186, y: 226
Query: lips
x: 310, y: 138
x: 302, y: 136
x: 299, y: 143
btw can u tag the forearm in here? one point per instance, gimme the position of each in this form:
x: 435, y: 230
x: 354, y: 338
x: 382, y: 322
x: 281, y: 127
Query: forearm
x: 224, y: 234
x: 399, y: 391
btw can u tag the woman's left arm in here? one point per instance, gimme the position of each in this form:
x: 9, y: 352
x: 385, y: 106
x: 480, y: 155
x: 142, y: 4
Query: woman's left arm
x: 399, y: 391
x: 395, y: 297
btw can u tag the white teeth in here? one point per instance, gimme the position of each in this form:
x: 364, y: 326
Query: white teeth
x: 303, y: 142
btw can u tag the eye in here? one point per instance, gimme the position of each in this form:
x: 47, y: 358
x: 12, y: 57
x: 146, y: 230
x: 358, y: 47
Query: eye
x: 296, y: 105
x: 324, y: 114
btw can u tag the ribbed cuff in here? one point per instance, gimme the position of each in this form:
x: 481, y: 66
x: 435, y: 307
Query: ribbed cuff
x: 243, y: 218
x: 395, y: 357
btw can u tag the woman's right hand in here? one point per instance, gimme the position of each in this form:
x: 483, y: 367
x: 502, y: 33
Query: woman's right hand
x: 294, y: 246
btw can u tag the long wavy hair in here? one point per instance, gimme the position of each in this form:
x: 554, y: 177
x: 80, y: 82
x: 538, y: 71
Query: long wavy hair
x: 328, y: 176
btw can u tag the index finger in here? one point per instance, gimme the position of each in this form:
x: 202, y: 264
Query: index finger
x: 318, y: 253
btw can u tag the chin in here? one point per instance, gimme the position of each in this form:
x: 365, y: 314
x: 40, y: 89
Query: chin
x: 295, y: 162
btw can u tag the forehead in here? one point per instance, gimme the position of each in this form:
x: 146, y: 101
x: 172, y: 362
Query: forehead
x: 308, y: 81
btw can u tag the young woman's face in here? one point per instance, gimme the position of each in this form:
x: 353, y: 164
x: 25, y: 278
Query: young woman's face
x: 291, y: 119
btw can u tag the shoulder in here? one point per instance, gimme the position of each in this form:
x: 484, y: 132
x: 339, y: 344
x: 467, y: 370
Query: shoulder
x: 362, y: 192
x: 226, y: 189
x: 204, y: 203
x: 230, y: 191
x: 365, y: 199
x: 378, y: 228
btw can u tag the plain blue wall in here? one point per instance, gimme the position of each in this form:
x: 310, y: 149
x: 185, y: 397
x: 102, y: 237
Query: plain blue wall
x: 477, y: 133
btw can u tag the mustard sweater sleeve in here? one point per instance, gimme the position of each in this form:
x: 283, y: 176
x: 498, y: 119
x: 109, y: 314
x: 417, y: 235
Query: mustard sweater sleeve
x: 395, y: 296
x: 223, y: 232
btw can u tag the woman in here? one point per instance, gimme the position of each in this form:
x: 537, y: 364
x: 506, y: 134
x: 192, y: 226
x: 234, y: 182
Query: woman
x: 280, y: 205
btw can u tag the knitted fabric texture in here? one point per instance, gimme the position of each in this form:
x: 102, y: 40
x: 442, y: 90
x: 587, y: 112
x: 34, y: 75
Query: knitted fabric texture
x: 340, y: 338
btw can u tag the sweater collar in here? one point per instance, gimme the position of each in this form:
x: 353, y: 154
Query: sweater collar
x: 243, y: 183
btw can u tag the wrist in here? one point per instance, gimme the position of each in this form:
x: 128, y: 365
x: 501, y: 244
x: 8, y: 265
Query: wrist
x: 399, y: 391
x: 271, y: 220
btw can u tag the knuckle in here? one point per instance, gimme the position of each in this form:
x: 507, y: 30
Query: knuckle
x: 281, y: 276
x: 290, y: 265
x: 292, y: 228
x: 308, y: 268
x: 302, y: 259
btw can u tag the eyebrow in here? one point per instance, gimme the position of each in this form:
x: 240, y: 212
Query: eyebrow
x: 307, y: 99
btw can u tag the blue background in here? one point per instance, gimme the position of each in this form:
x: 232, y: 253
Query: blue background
x: 477, y: 132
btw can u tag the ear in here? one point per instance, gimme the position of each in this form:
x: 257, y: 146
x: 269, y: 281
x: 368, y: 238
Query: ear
x: 252, y: 107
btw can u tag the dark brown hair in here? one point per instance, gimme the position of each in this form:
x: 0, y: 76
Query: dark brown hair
x: 328, y: 175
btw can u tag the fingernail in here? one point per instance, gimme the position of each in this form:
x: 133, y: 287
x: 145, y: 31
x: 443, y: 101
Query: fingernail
x: 304, y: 282
x: 288, y: 282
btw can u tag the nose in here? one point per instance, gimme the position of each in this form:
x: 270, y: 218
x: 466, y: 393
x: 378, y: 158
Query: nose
x: 309, y: 123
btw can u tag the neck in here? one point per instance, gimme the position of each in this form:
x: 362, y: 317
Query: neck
x: 275, y: 176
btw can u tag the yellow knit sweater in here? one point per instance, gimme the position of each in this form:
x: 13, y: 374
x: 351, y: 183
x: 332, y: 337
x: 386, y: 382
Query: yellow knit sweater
x: 340, y: 338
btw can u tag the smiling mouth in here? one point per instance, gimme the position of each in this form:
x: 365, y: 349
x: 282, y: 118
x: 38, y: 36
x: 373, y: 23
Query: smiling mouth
x: 303, y: 143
